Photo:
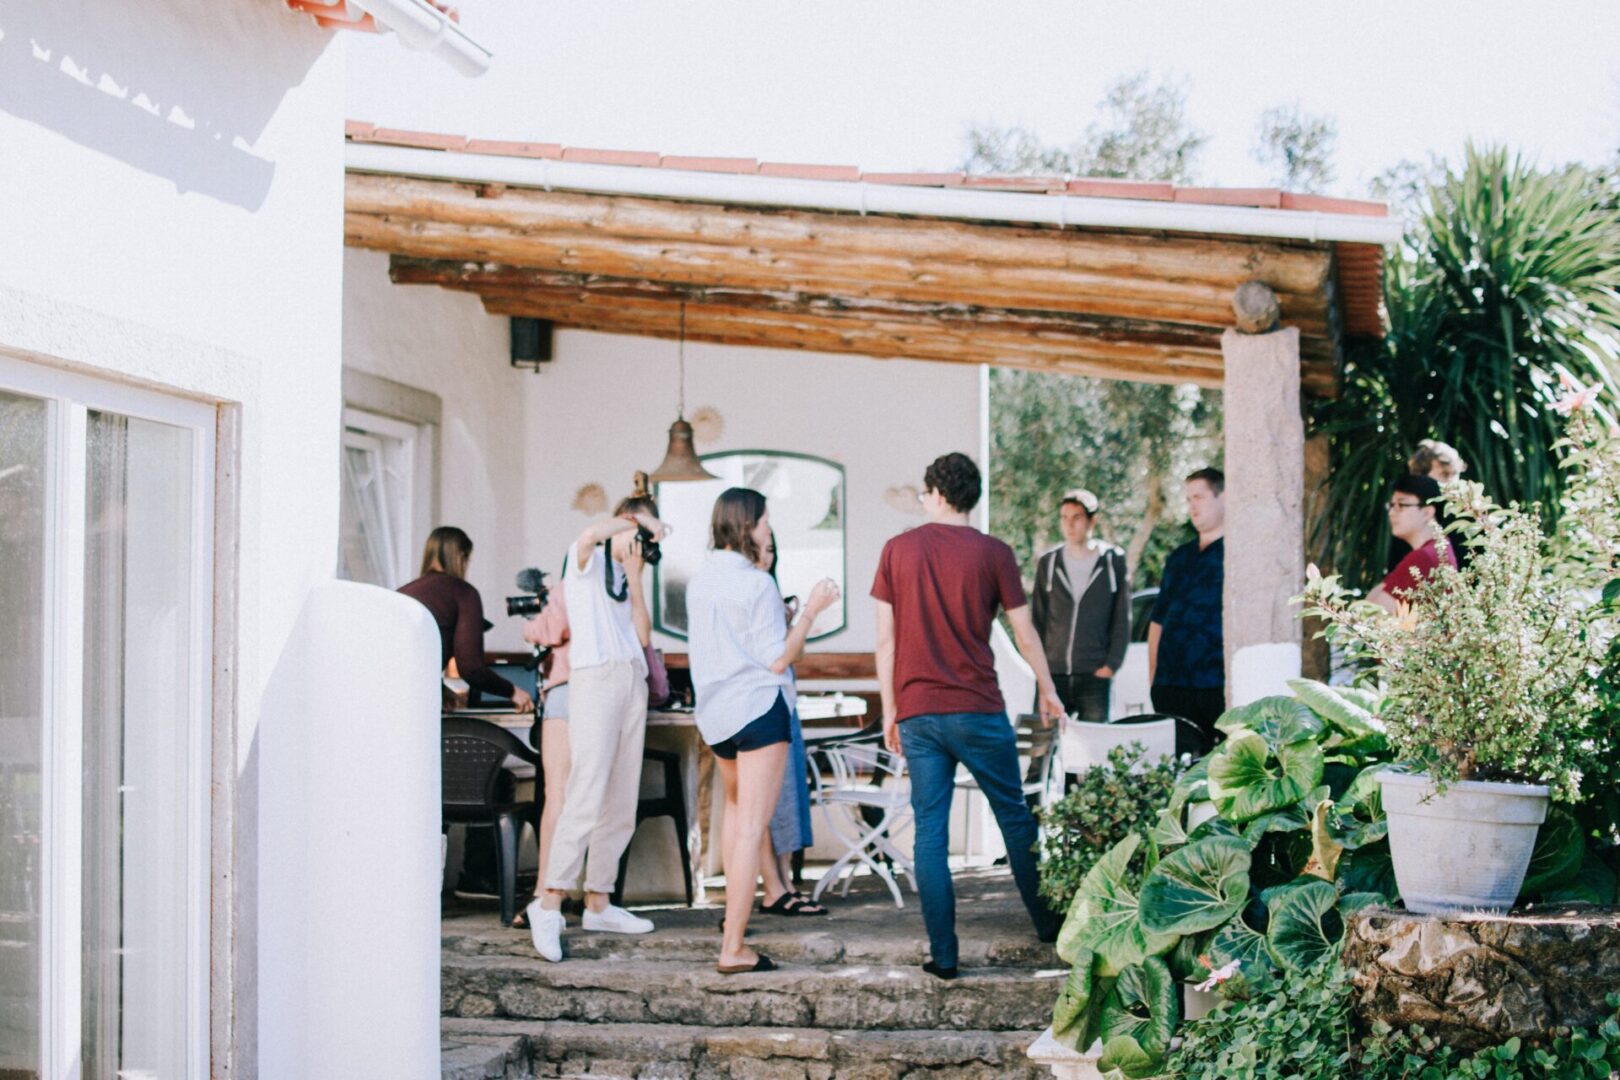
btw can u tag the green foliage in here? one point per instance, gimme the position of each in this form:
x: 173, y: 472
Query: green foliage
x: 1197, y: 887
x: 1110, y: 802
x: 1247, y: 778
x: 1487, y: 670
x: 1510, y: 277
x: 1143, y: 134
x: 1103, y: 921
x: 1130, y: 443
x: 1297, y: 147
x: 1301, y: 1026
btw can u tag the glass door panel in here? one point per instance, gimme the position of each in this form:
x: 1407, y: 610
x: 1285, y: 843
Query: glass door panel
x: 24, y: 432
x: 138, y: 687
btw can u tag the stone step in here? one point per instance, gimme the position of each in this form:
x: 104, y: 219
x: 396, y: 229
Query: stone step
x: 689, y: 1052
x: 857, y: 996
x: 989, y: 937
x: 475, y: 1055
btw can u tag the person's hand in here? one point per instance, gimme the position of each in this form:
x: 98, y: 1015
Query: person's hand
x: 521, y: 701
x: 822, y: 597
x: 633, y: 562
x: 1104, y: 672
x: 1051, y: 707
x: 891, y: 734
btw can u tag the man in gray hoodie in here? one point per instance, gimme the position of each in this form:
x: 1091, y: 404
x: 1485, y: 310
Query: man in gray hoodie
x: 1081, y: 606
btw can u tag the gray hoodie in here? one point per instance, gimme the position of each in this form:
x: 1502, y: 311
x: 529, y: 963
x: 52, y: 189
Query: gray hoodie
x: 1082, y: 637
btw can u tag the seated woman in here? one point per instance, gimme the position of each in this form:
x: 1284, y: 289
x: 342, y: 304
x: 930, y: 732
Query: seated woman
x: 456, y: 606
x: 609, y: 629
x: 740, y: 649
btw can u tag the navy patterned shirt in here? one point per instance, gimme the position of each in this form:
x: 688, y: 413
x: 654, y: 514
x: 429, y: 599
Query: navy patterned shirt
x: 1192, y: 653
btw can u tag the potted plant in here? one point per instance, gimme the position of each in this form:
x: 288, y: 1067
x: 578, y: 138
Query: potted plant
x: 1489, y: 675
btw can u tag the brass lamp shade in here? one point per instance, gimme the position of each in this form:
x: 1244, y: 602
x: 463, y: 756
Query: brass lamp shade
x: 680, y: 460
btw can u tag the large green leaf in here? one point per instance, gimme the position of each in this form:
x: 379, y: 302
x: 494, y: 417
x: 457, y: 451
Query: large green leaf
x: 1358, y: 817
x: 1077, y: 1016
x: 1237, y: 940
x: 1369, y: 869
x: 1325, y: 850
x: 1246, y: 779
x: 1560, y: 849
x: 1595, y: 884
x: 1197, y: 887
x: 1305, y: 924
x: 1124, y: 1059
x: 1341, y: 710
x: 1279, y: 720
x: 1144, y: 1005
x: 1103, y: 917
x: 1168, y: 831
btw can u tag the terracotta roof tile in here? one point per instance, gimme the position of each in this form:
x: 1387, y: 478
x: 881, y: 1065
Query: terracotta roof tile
x: 1109, y: 188
x: 426, y: 140
x: 916, y: 179
x: 358, y: 129
x: 709, y: 164
x: 1040, y: 184
x: 587, y: 156
x: 1265, y: 198
x: 503, y: 148
x: 809, y: 172
x: 1328, y: 205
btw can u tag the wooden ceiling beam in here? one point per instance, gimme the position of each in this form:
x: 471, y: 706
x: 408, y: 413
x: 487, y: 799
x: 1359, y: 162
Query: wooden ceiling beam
x: 1288, y: 267
x: 895, y: 277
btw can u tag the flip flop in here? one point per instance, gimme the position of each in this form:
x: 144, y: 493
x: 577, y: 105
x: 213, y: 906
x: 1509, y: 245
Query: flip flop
x: 793, y: 904
x: 762, y: 964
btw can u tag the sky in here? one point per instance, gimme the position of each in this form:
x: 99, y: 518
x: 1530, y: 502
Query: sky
x: 895, y: 84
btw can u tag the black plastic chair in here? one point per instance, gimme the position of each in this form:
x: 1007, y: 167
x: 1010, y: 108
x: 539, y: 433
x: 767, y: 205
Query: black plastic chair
x: 671, y: 804
x: 471, y: 754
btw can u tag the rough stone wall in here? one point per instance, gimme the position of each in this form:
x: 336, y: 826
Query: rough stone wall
x: 1479, y: 980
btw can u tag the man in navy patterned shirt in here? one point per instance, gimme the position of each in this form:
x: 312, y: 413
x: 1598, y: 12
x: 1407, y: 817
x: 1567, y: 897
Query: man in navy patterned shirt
x: 1186, y: 653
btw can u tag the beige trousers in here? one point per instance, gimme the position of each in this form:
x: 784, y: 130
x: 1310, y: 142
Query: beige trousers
x: 607, y: 726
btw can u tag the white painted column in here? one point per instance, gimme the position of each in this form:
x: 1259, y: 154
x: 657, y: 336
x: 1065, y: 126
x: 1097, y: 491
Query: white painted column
x: 1265, y: 516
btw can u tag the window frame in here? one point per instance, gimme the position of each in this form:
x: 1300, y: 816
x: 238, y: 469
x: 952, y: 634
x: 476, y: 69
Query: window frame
x: 70, y: 396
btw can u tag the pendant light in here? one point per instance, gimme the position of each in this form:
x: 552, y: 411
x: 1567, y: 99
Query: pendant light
x: 681, y: 461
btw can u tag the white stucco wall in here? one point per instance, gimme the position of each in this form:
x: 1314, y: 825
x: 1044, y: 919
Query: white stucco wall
x: 603, y: 410
x: 444, y: 343
x: 518, y: 446
x: 171, y: 195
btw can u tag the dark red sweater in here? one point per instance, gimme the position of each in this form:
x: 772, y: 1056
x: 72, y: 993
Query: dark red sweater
x: 457, y: 608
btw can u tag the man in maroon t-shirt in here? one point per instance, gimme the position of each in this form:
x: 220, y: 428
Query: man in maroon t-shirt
x: 938, y: 588
x: 1411, y: 518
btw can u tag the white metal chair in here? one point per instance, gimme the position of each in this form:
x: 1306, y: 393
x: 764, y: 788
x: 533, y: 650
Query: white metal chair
x: 870, y: 784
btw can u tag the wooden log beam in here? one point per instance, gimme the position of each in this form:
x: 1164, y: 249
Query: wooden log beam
x: 1289, y: 267
x: 893, y: 277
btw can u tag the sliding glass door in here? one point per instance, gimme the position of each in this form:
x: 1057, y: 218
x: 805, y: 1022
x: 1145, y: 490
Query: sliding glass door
x: 105, y: 597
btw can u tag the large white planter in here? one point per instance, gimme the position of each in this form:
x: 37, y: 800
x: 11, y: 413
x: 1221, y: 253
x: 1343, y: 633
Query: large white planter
x: 1464, y: 850
x: 1065, y: 1064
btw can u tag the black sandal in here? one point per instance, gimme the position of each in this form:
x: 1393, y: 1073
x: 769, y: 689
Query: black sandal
x: 762, y: 964
x: 793, y: 904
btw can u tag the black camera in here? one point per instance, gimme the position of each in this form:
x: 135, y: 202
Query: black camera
x: 535, y: 594
x: 650, y: 551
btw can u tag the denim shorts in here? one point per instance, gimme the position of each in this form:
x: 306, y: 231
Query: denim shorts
x: 774, y: 727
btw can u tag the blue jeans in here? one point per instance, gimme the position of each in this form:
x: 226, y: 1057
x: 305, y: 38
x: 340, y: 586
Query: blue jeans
x: 985, y: 743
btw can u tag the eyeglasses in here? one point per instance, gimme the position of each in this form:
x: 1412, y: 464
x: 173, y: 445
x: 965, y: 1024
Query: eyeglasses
x: 1401, y: 505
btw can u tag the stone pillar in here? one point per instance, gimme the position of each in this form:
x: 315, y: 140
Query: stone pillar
x: 1265, y: 494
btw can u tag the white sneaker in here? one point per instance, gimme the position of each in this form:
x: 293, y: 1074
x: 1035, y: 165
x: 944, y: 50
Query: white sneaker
x: 546, y: 928
x: 616, y: 920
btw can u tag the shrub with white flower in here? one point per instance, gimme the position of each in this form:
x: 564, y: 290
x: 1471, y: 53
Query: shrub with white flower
x: 1492, y: 672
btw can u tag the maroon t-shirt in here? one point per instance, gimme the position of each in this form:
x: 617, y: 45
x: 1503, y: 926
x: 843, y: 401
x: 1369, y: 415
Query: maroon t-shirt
x: 945, y: 583
x: 1415, y: 568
